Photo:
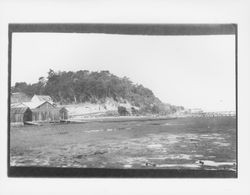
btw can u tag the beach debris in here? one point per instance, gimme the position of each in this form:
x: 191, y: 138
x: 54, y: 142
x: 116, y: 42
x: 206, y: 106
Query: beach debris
x: 148, y: 164
x: 214, y: 164
x: 178, y: 165
x: 100, y: 152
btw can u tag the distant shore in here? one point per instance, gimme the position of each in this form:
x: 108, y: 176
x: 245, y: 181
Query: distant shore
x: 120, y: 119
x: 110, y: 119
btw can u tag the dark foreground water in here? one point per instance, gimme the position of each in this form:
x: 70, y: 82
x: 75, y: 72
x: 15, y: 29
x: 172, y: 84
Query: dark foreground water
x: 189, y: 143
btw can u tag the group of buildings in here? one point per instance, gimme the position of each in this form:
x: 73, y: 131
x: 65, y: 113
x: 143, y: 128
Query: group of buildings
x: 197, y: 112
x: 39, y: 108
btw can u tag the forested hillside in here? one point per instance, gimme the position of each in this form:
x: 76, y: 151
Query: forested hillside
x: 85, y: 86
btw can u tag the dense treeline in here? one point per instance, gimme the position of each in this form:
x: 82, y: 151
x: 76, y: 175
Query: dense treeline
x: 83, y: 86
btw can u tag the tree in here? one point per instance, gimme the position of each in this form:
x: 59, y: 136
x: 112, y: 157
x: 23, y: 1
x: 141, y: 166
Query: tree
x: 67, y: 87
x: 122, y: 111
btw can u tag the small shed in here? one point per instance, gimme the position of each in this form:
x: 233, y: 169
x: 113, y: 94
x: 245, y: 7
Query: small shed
x: 63, y: 112
x: 20, y: 114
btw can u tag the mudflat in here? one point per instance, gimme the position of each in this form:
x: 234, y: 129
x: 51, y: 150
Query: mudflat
x: 183, y: 143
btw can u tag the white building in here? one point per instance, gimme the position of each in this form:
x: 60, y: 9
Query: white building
x: 41, y: 98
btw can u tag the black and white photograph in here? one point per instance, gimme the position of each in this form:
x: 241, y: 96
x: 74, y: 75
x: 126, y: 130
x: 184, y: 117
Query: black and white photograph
x: 124, y: 97
x: 122, y: 100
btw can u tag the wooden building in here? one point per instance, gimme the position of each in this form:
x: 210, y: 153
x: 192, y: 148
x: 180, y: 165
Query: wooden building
x: 20, y: 114
x: 48, y: 112
x: 63, y: 112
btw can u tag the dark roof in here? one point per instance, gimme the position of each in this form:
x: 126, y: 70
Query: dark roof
x: 46, y: 102
x: 19, y: 110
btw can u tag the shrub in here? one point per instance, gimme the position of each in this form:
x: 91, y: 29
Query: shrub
x: 122, y: 111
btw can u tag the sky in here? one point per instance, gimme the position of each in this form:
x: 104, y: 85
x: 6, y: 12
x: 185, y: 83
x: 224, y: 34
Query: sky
x: 191, y: 71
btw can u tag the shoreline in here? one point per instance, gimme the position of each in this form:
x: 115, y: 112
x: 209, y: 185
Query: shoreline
x: 94, y: 119
x: 119, y: 119
x: 134, y: 118
x: 108, y: 119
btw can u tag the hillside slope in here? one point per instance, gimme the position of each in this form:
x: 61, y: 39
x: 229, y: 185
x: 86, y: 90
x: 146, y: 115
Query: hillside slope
x: 81, y: 87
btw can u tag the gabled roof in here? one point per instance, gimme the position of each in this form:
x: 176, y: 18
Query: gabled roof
x: 17, y: 105
x: 43, y: 98
x: 18, y: 110
x: 33, y: 105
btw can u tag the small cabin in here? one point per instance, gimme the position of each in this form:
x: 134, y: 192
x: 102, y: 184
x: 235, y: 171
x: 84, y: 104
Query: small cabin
x: 20, y: 114
x: 63, y: 112
x: 48, y: 112
x: 44, y: 112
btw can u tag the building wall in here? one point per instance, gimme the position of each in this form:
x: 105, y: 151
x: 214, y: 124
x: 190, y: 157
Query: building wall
x: 46, y: 106
x: 16, y: 117
x: 45, y: 115
x: 49, y: 113
x: 63, y: 114
x: 21, y: 117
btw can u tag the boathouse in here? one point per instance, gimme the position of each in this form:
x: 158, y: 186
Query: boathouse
x: 20, y: 114
x: 42, y: 108
x: 48, y: 112
x: 44, y: 112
